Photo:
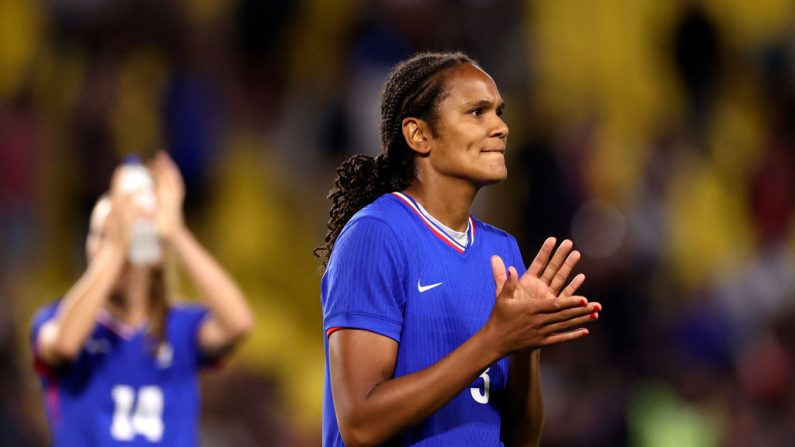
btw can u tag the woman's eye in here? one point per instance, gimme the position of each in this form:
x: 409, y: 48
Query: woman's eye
x: 476, y: 112
x: 500, y: 112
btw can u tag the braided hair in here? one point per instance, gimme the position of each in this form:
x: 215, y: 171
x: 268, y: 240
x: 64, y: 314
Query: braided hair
x: 414, y: 89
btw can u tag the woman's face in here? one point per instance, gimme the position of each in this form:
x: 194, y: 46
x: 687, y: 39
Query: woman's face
x: 470, y: 135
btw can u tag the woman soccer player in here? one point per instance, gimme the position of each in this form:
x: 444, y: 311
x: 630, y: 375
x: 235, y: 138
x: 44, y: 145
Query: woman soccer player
x: 430, y: 340
x: 118, y: 361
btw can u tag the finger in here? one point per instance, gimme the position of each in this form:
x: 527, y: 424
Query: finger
x: 565, y: 326
x: 500, y: 274
x: 116, y: 181
x: 556, y: 262
x: 573, y: 285
x: 166, y: 163
x: 170, y: 166
x: 155, y: 166
x: 563, y: 274
x: 571, y: 314
x: 509, y: 287
x: 159, y: 167
x: 564, y: 337
x: 540, y: 261
x: 555, y: 305
x: 163, y: 155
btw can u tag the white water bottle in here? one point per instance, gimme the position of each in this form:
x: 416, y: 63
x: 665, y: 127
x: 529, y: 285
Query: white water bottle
x: 144, y: 248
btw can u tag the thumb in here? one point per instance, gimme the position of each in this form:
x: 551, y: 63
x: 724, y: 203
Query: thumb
x: 509, y: 287
x: 116, y: 189
x: 500, y: 274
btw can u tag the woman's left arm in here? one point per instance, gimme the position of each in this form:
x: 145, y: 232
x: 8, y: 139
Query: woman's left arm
x: 523, y: 415
x: 230, y: 317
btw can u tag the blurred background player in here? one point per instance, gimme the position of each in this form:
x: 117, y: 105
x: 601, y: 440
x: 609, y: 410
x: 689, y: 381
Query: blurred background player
x: 419, y: 351
x: 118, y: 359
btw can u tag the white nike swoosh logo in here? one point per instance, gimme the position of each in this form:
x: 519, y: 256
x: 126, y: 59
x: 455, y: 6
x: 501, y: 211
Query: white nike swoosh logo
x: 422, y: 288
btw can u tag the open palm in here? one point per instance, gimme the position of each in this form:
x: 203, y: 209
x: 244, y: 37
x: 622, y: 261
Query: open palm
x: 546, y: 269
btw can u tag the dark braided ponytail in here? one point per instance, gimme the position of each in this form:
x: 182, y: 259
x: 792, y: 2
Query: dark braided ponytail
x: 414, y: 89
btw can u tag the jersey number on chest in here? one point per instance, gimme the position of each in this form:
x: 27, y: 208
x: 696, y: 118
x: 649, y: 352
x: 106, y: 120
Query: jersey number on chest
x: 482, y: 397
x: 140, y: 414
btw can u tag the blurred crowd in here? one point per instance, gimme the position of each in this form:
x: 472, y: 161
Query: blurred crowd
x: 660, y: 136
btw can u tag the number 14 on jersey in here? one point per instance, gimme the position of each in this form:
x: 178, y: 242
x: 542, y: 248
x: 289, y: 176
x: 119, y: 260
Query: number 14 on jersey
x: 137, y: 415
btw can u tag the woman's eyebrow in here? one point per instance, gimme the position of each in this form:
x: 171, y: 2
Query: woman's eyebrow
x: 484, y: 103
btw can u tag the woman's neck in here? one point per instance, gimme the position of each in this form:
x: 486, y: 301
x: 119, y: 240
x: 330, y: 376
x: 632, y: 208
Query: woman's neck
x: 450, y: 202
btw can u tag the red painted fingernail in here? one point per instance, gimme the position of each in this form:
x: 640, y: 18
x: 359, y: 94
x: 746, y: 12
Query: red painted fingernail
x: 594, y: 315
x: 598, y: 307
x: 583, y: 302
x: 585, y: 332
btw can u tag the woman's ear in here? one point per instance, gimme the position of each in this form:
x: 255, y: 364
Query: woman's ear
x: 417, y: 133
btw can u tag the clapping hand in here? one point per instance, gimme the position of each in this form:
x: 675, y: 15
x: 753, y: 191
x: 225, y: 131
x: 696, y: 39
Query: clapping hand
x: 170, y: 194
x: 532, y: 311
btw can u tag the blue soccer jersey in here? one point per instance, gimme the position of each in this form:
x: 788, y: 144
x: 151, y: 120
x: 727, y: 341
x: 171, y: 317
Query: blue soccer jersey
x: 394, y: 272
x: 118, y: 392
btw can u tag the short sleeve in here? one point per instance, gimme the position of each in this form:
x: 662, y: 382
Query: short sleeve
x: 42, y: 316
x: 363, y: 286
x: 187, y: 320
x: 516, y: 256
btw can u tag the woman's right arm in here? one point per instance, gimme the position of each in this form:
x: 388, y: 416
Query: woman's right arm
x: 372, y: 406
x: 61, y: 338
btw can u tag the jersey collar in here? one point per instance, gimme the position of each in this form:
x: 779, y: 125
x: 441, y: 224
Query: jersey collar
x: 119, y: 327
x: 436, y: 229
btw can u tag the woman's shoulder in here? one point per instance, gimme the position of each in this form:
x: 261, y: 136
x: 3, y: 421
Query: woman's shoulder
x: 46, y: 311
x: 384, y: 212
x: 488, y: 230
x: 377, y: 226
x: 382, y: 208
